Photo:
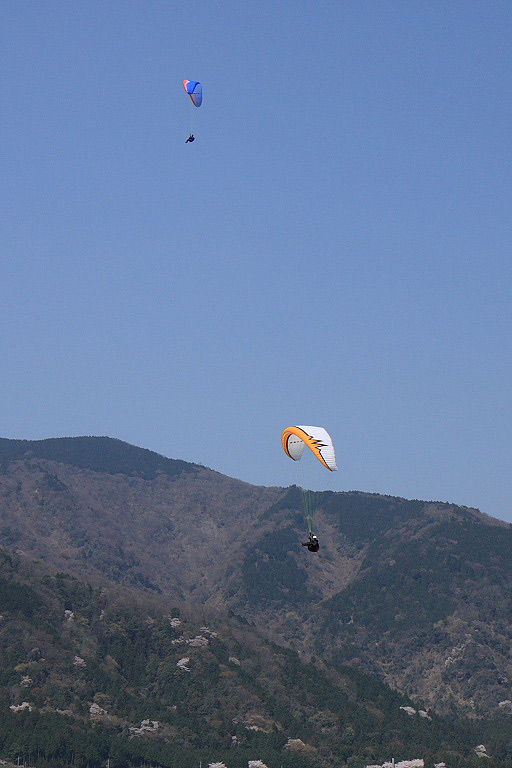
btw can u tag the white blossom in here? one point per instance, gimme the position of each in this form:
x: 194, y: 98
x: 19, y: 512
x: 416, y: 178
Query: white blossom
x: 96, y: 711
x: 208, y: 631
x: 456, y: 654
x: 146, y: 726
x: 198, y: 641
x: 419, y: 763
x: 296, y: 744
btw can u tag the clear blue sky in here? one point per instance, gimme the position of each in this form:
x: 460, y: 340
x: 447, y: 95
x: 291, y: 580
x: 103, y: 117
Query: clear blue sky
x: 334, y: 249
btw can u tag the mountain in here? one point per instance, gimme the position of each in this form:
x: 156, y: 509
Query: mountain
x: 161, y: 524
x: 95, y: 673
x: 414, y: 593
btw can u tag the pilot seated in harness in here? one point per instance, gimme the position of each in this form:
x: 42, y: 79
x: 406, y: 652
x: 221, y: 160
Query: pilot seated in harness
x: 312, y: 544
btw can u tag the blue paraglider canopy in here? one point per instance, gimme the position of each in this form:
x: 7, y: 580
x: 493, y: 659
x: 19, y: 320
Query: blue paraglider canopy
x: 194, y: 90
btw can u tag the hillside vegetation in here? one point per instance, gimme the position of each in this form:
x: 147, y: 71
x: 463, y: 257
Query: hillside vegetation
x: 89, y: 674
x: 412, y: 595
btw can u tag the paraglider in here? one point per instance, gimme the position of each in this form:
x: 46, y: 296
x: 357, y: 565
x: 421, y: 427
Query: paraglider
x: 195, y: 91
x: 318, y: 440
x: 312, y: 544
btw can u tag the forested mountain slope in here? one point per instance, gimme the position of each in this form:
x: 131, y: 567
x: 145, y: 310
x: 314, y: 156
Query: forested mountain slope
x: 90, y: 674
x: 415, y: 593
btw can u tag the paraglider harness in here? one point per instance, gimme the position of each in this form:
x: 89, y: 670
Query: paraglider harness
x: 312, y: 544
x: 190, y: 138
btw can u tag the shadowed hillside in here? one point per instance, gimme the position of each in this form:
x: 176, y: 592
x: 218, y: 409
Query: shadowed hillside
x: 100, y: 454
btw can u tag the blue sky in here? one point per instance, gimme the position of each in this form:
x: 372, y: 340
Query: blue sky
x: 334, y: 249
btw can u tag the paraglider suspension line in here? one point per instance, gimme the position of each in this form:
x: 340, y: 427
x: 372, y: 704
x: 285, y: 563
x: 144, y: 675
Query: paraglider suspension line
x: 192, y: 118
x: 308, y: 510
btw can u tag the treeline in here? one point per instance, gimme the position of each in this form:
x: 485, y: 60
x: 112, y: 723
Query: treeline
x: 99, y: 454
x: 65, y: 645
x: 52, y: 741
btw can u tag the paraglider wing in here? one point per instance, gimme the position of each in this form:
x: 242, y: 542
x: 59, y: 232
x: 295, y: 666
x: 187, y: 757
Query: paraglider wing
x: 194, y: 90
x: 295, y: 439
